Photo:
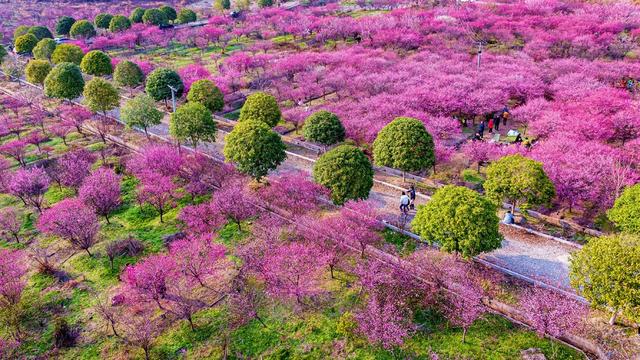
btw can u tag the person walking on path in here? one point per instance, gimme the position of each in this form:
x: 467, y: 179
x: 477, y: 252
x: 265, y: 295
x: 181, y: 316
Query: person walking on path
x: 508, y: 218
x: 412, y: 197
x: 505, y: 115
x: 496, y: 123
x: 490, y: 126
x: 481, y: 129
x: 404, y: 203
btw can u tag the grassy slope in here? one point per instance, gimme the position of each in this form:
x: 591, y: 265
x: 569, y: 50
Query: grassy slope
x: 310, y: 334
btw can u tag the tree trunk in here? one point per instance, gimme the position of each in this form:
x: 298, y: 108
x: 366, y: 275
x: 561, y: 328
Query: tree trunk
x: 161, y: 213
x: 513, y: 207
x: 106, y: 217
x: 146, y: 353
x: 113, y: 328
x: 190, y: 319
x: 224, y: 348
x: 88, y: 252
x: 464, y: 334
x: 614, y: 316
x: 261, y: 322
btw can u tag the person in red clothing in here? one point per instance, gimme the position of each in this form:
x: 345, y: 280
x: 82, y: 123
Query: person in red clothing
x: 490, y: 125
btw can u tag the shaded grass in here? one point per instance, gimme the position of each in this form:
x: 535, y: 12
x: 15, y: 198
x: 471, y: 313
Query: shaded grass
x: 472, y: 176
x: 404, y: 244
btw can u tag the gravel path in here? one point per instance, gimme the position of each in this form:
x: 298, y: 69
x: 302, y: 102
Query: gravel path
x: 539, y: 258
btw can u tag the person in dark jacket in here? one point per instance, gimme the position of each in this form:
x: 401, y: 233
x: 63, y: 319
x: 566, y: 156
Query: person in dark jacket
x: 481, y: 129
x: 412, y: 196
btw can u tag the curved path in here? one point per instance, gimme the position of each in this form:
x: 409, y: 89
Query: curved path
x: 531, y: 256
x: 534, y: 256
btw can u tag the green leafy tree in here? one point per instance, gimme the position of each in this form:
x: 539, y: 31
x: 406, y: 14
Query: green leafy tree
x: 192, y: 121
x: 141, y: 112
x: 119, y: 23
x: 19, y: 31
x: 64, y: 24
x: 128, y: 73
x: 222, y: 5
x: 82, y: 29
x: 460, y: 220
x: 96, y: 63
x: 404, y: 144
x: 626, y: 210
x: 37, y: 70
x: 242, y: 5
x: 323, y: 127
x: 136, y: 15
x: 102, y: 20
x: 186, y: 16
x: 158, y: 83
x: 262, y: 107
x: 265, y: 3
x: 25, y: 43
x: 605, y: 271
x: 64, y: 82
x: 40, y: 32
x: 346, y: 171
x: 100, y: 95
x: 154, y: 17
x: 44, y: 49
x: 67, y: 53
x: 518, y: 179
x: 205, y: 92
x: 254, y: 148
x: 169, y: 12
x: 3, y: 53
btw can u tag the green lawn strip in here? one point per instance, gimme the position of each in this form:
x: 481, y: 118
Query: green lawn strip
x: 179, y: 338
x: 492, y: 337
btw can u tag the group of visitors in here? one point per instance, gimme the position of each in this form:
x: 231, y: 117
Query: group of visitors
x: 494, y: 123
x: 407, y: 202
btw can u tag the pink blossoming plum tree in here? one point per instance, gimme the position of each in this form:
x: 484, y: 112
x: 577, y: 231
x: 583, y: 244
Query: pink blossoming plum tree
x: 73, y: 221
x: 157, y: 191
x: 101, y: 191
x: 10, y: 224
x: 294, y: 271
x: 29, y: 185
x: 550, y: 312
